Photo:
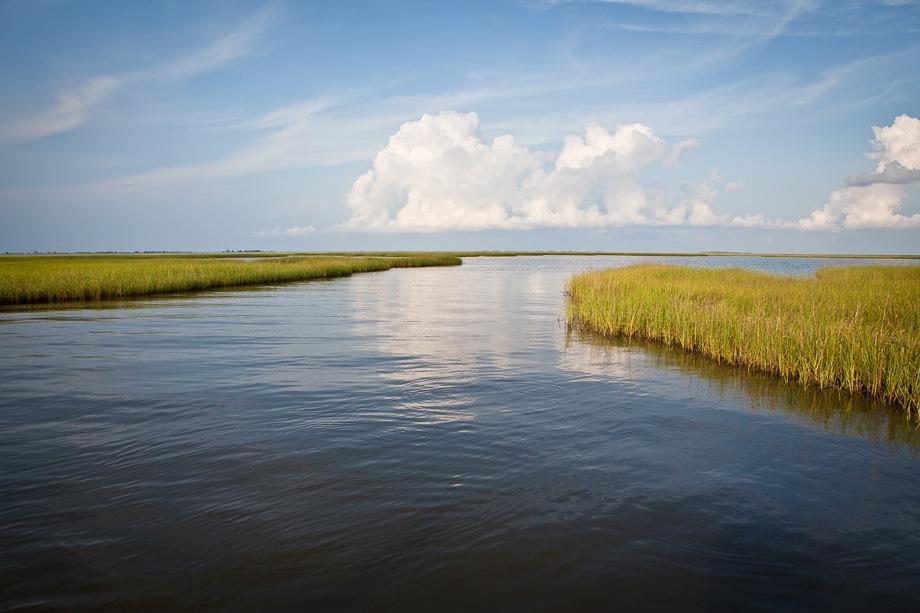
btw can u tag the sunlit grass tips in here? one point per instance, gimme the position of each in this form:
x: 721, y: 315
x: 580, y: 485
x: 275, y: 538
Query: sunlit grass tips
x: 59, y: 279
x: 850, y: 327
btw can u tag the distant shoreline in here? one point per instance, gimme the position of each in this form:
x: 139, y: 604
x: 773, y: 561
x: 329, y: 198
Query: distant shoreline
x: 80, y: 278
x: 467, y: 254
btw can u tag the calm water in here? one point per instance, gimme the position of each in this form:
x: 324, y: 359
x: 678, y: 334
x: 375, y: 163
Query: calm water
x: 432, y: 439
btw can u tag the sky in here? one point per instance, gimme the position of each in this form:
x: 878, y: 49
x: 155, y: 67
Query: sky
x: 621, y: 125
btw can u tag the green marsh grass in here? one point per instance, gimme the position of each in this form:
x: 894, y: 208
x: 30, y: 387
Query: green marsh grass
x: 855, y: 328
x: 50, y: 279
x: 475, y: 254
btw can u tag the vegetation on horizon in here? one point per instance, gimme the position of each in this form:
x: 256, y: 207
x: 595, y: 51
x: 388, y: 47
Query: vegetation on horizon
x: 851, y: 327
x: 682, y: 254
x: 85, y: 278
x: 466, y: 254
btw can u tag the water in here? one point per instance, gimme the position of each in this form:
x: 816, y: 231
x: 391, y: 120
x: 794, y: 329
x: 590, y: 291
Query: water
x: 432, y: 439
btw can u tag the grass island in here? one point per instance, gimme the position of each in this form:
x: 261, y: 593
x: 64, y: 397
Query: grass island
x: 850, y: 327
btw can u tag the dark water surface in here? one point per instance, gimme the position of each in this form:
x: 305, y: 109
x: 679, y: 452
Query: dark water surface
x: 431, y: 439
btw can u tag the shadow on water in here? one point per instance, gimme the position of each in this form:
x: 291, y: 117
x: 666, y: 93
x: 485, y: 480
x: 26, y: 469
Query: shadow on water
x: 831, y: 410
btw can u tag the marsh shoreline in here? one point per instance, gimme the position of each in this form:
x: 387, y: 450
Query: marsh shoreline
x: 31, y: 280
x: 848, y: 327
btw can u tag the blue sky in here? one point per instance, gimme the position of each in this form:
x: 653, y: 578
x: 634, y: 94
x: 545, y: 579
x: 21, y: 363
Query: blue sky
x: 623, y: 125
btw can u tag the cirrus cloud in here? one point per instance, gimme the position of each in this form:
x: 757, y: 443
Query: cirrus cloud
x: 72, y: 108
x: 74, y: 105
x: 278, y: 231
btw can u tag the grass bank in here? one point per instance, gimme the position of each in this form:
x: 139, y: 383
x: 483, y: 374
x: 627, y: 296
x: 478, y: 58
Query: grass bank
x: 683, y: 254
x: 852, y: 327
x: 473, y: 254
x: 82, y: 278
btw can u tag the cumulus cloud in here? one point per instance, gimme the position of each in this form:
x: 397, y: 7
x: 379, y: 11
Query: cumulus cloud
x: 292, y: 231
x: 898, y: 143
x: 697, y: 209
x: 437, y: 174
x: 897, y: 149
x: 875, y: 199
x: 862, y: 206
x: 893, y: 173
x: 678, y: 151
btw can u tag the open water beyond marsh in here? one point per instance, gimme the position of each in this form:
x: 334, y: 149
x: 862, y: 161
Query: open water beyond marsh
x: 432, y: 439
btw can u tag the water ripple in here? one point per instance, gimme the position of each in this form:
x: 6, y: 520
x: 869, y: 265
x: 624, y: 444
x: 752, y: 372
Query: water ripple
x: 431, y: 439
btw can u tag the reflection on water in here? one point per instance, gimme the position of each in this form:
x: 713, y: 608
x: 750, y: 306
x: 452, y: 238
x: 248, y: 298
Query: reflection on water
x: 831, y: 410
x: 430, y: 439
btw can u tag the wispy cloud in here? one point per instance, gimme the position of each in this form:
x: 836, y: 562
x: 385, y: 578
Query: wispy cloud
x: 786, y: 9
x: 707, y: 7
x: 350, y: 127
x: 295, y: 139
x: 278, y: 231
x: 765, y: 19
x: 71, y: 110
x: 236, y: 44
x: 75, y: 105
x: 728, y: 17
x: 838, y: 89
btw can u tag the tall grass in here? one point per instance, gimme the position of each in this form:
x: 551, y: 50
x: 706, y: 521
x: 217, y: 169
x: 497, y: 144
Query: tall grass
x: 474, y: 254
x: 56, y: 279
x: 850, y: 327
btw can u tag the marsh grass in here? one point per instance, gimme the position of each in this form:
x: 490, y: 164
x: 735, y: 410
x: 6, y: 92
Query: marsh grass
x: 26, y: 280
x: 683, y: 254
x: 855, y: 328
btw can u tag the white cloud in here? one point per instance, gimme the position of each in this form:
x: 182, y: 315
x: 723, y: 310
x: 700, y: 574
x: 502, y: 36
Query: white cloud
x: 74, y: 105
x: 861, y: 206
x: 294, y: 139
x: 755, y: 21
x: 712, y: 7
x: 892, y: 173
x: 235, y: 44
x: 292, y: 231
x: 438, y: 174
x: 679, y: 149
x: 874, y: 200
x: 697, y: 209
x: 72, y: 108
x: 353, y: 123
x: 628, y: 149
x: 898, y: 143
